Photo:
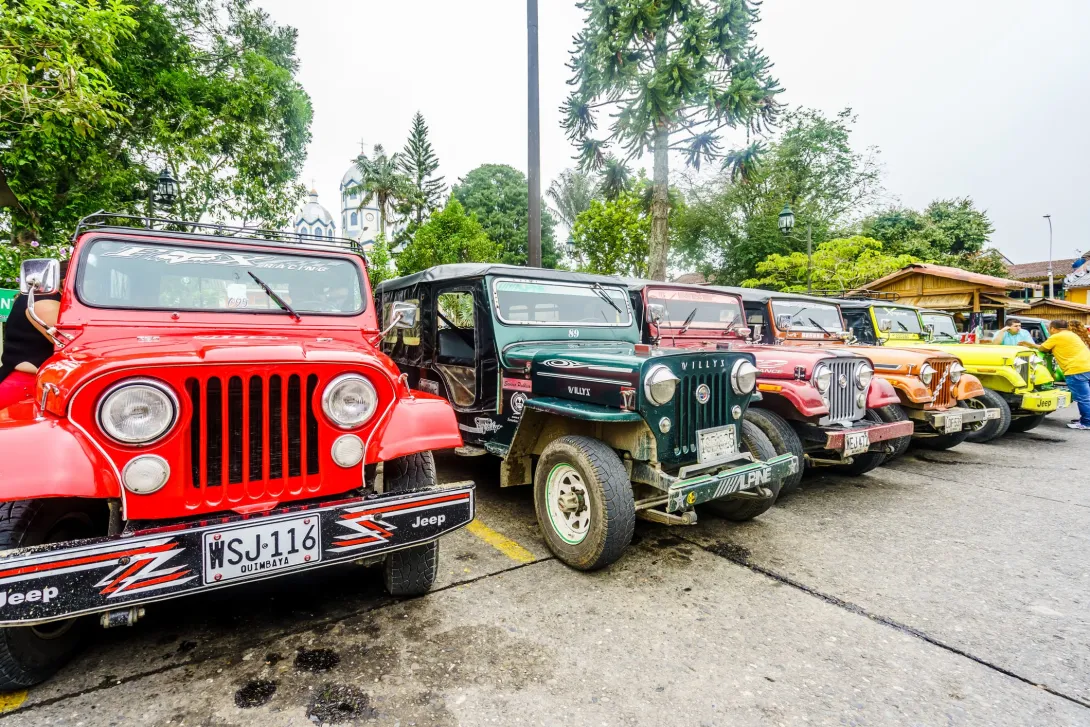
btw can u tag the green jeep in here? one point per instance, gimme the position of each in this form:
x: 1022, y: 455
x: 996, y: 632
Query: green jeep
x: 546, y: 370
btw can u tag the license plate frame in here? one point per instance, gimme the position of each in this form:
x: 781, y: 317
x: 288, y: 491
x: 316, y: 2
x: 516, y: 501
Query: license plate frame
x: 226, y: 552
x: 952, y: 423
x: 716, y: 443
x: 856, y: 443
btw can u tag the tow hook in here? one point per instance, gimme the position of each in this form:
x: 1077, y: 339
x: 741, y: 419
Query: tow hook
x: 124, y: 617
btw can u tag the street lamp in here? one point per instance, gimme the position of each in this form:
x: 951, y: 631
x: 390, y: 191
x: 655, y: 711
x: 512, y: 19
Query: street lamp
x: 166, y: 189
x: 1051, y: 291
x: 786, y: 224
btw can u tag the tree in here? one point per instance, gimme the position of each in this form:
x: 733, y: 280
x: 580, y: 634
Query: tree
x: 610, y: 238
x: 841, y: 264
x: 382, y: 182
x: 449, y: 236
x: 673, y: 75
x: 730, y: 223
x: 418, y: 164
x: 571, y: 194
x: 379, y: 261
x: 499, y: 196
x: 616, y: 178
x: 207, y: 88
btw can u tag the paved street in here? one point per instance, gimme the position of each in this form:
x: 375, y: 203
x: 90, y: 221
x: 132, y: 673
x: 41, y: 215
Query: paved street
x: 949, y: 588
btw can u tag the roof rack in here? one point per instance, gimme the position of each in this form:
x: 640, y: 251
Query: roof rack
x: 861, y: 294
x: 100, y: 219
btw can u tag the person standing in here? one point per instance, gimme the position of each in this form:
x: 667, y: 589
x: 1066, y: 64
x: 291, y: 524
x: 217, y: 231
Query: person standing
x: 1011, y: 334
x: 1073, y: 357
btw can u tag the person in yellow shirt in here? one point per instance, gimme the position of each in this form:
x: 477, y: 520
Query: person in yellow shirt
x: 1073, y: 357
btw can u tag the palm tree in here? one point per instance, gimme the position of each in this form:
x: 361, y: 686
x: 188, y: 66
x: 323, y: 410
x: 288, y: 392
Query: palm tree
x: 616, y: 179
x: 382, y: 182
x: 571, y: 194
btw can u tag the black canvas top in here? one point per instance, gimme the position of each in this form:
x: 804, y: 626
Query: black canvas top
x: 756, y: 295
x: 463, y: 271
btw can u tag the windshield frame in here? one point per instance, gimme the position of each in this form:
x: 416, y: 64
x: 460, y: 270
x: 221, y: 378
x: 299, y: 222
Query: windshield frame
x: 795, y: 327
x: 625, y: 300
x: 944, y: 316
x: 274, y: 310
x: 878, y: 319
x: 694, y: 326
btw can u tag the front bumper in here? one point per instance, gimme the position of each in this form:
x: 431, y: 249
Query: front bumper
x: 49, y: 582
x: 1045, y: 401
x: 941, y: 421
x: 836, y: 439
x: 698, y: 489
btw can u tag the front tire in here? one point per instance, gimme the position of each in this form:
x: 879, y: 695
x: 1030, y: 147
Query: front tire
x: 889, y: 414
x: 583, y: 501
x: 1026, y: 423
x: 994, y: 428
x: 31, y: 654
x: 738, y: 509
x: 867, y: 461
x: 784, y: 441
x: 411, y: 571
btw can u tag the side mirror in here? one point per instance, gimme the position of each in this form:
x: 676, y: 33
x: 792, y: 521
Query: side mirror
x: 402, y: 315
x: 745, y: 332
x: 930, y: 329
x: 783, y: 322
x: 655, y: 313
x: 885, y: 325
x: 41, y: 275
x: 756, y: 332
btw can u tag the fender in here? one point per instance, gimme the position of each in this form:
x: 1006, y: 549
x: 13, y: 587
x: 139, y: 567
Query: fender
x: 418, y: 423
x: 881, y: 393
x: 909, y: 387
x: 969, y: 387
x: 47, y: 456
x: 581, y: 410
x: 801, y: 396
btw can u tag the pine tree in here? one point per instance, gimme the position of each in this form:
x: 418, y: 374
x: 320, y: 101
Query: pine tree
x: 418, y: 162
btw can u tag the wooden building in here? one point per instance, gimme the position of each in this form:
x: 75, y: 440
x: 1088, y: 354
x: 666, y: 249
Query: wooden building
x: 1052, y: 309
x: 952, y: 289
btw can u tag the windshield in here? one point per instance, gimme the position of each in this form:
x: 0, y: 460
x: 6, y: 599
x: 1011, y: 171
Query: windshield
x: 712, y: 310
x: 173, y: 277
x: 545, y: 303
x: 902, y: 320
x: 807, y: 316
x: 944, y: 326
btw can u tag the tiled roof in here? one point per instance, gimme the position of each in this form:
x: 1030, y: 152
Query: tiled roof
x: 1060, y: 304
x: 943, y: 271
x: 1039, y: 270
x: 691, y: 279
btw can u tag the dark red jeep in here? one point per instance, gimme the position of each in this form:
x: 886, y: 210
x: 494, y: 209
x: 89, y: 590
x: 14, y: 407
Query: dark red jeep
x: 214, y: 414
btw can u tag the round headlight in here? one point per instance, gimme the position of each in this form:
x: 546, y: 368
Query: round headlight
x: 743, y: 377
x: 349, y: 401
x: 1036, y: 360
x: 822, y: 378
x: 137, y: 411
x: 145, y: 474
x: 660, y: 385
x: 926, y: 374
x: 863, y: 376
x: 955, y: 372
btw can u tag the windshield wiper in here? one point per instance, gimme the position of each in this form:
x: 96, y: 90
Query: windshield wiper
x: 688, y: 322
x: 276, y: 298
x: 824, y: 330
x: 597, y: 288
x: 902, y: 325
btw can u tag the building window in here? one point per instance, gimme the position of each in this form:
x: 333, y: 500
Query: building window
x: 355, y: 219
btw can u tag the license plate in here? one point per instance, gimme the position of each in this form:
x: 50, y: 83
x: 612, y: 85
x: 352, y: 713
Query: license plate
x: 713, y: 444
x: 952, y: 423
x: 1063, y: 399
x: 856, y: 443
x: 249, y: 550
x: 991, y: 414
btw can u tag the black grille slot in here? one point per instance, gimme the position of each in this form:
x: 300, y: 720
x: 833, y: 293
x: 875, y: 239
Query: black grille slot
x: 235, y: 429
x: 691, y: 416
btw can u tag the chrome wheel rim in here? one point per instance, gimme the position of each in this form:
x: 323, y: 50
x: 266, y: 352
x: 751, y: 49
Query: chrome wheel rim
x: 568, y: 503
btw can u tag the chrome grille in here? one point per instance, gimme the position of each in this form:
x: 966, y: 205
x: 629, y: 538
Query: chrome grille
x: 246, y: 432
x: 691, y: 416
x: 940, y: 385
x: 842, y: 404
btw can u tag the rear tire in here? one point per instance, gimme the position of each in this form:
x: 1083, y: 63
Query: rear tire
x: 412, y: 571
x: 784, y: 441
x: 889, y: 414
x: 583, y: 501
x: 1024, y: 424
x: 993, y: 428
x: 757, y: 444
x: 31, y: 654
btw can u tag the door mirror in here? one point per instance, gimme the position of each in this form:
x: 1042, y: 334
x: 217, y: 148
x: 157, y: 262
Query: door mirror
x: 930, y: 328
x: 885, y: 325
x: 655, y: 313
x: 42, y: 275
x: 783, y: 322
x: 402, y: 315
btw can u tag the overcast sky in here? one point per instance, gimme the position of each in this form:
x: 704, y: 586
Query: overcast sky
x: 984, y: 98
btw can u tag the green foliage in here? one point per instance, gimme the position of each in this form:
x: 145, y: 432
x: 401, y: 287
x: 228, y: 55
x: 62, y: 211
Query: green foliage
x: 730, y: 224
x: 418, y: 163
x: 206, y: 88
x: 381, y: 181
x: 499, y: 196
x: 669, y: 75
x: 610, y: 238
x: 449, y: 236
x: 379, y: 261
x: 12, y: 256
x: 571, y: 194
x: 841, y: 264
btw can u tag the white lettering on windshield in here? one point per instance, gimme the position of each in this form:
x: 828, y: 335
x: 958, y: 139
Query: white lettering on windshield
x: 174, y: 256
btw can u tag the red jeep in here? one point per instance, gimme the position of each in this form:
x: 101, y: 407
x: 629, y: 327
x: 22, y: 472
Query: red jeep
x: 820, y: 405
x: 214, y: 414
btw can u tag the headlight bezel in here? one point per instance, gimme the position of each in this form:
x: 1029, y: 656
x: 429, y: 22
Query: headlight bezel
x: 821, y: 373
x: 327, y: 396
x: 956, y: 371
x: 118, y: 388
x: 864, y: 371
x: 738, y: 371
x: 927, y: 374
x: 659, y: 374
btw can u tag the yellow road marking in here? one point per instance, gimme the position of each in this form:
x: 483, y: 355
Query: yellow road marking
x: 500, y: 542
x: 12, y: 700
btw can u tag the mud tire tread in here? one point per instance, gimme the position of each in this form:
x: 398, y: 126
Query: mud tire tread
x: 1025, y: 424
x: 412, y: 571
x: 784, y: 440
x: 738, y: 510
x: 889, y: 414
x: 995, y: 428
